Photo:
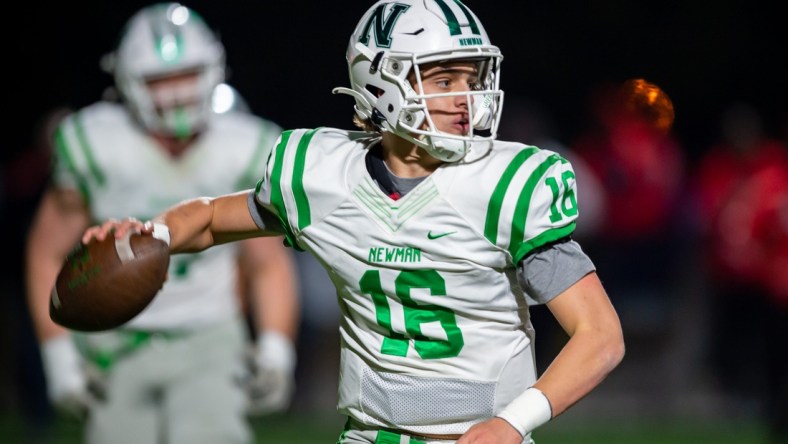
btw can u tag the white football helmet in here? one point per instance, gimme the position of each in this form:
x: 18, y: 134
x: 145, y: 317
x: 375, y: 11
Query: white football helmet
x: 160, y: 41
x: 392, y: 41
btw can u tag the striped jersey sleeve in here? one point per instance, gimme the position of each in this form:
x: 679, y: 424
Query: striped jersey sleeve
x: 281, y: 191
x: 75, y: 165
x: 532, y: 204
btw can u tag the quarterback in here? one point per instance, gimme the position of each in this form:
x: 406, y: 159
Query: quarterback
x: 437, y: 237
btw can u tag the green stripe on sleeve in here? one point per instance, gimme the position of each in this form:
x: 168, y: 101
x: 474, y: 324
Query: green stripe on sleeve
x: 545, y: 238
x: 496, y: 200
x: 277, y: 200
x: 61, y: 147
x: 524, y: 204
x: 299, y: 194
x: 98, y: 175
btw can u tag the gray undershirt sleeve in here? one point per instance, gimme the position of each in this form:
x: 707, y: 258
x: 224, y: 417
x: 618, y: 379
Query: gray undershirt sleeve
x: 264, y: 219
x: 546, y: 273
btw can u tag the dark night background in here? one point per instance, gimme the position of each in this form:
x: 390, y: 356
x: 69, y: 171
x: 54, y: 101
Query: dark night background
x: 286, y: 56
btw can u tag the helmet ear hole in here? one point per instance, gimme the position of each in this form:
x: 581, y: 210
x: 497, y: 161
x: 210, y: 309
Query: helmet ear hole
x: 374, y: 90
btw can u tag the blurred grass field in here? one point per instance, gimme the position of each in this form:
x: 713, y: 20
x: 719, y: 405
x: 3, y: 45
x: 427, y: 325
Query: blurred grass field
x: 325, y: 428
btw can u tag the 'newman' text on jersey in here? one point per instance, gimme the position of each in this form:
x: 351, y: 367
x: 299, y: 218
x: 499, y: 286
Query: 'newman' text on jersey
x: 398, y: 254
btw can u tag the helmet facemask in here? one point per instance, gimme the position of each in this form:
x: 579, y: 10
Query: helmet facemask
x: 416, y: 123
x: 177, y: 104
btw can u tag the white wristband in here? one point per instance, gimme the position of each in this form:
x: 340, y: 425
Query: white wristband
x: 528, y: 411
x: 275, y: 350
x: 161, y: 232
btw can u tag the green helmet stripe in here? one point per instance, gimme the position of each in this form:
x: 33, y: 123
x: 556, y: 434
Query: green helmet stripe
x: 301, y: 200
x: 84, y: 144
x: 451, y: 19
x: 169, y: 42
x: 471, y: 21
x: 277, y: 200
x: 61, y: 147
x: 496, y: 200
x: 524, y: 203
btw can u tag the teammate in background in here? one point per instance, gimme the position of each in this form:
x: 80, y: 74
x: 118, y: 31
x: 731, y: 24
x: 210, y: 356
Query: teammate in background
x: 175, y: 373
x: 437, y: 237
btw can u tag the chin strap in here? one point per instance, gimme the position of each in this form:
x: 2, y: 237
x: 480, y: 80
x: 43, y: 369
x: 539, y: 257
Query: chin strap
x: 446, y: 149
x: 483, y: 111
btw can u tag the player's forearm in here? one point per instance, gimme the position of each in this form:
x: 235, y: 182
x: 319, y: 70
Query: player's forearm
x: 276, y: 308
x: 55, y: 229
x: 189, y: 225
x: 583, y: 363
x: 274, y: 289
x: 40, y: 276
x: 200, y: 223
x: 595, y: 346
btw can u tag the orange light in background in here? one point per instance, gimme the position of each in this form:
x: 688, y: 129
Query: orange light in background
x: 650, y: 102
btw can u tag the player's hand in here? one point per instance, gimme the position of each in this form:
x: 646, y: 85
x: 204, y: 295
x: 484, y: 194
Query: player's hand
x: 118, y: 227
x: 492, y: 431
x: 270, y: 383
x: 269, y: 391
x: 70, y: 386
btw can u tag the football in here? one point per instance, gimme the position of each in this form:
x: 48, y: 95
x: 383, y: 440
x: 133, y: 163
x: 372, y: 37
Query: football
x: 104, y: 284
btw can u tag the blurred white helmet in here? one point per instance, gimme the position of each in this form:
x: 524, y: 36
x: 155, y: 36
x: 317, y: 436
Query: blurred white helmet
x: 393, y: 40
x: 159, y: 42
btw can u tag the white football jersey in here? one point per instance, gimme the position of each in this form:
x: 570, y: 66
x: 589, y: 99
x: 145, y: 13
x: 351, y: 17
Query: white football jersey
x: 435, y: 327
x: 121, y: 172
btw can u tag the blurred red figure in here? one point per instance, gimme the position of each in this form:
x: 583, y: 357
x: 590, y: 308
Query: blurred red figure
x: 741, y: 196
x: 635, y: 157
x: 751, y: 232
x: 640, y: 166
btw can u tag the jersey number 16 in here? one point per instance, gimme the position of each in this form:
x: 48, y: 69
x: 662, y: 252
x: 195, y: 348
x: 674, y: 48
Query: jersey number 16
x: 395, y: 343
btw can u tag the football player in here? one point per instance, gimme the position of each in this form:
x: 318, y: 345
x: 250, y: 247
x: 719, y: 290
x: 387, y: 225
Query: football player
x: 176, y: 373
x: 437, y: 237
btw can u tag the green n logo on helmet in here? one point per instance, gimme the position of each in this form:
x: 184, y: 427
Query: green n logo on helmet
x: 384, y: 26
x: 169, y: 46
x: 454, y: 24
x: 167, y: 37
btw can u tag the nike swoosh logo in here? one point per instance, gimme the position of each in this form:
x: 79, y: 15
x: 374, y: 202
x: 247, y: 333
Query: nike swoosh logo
x: 436, y: 236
